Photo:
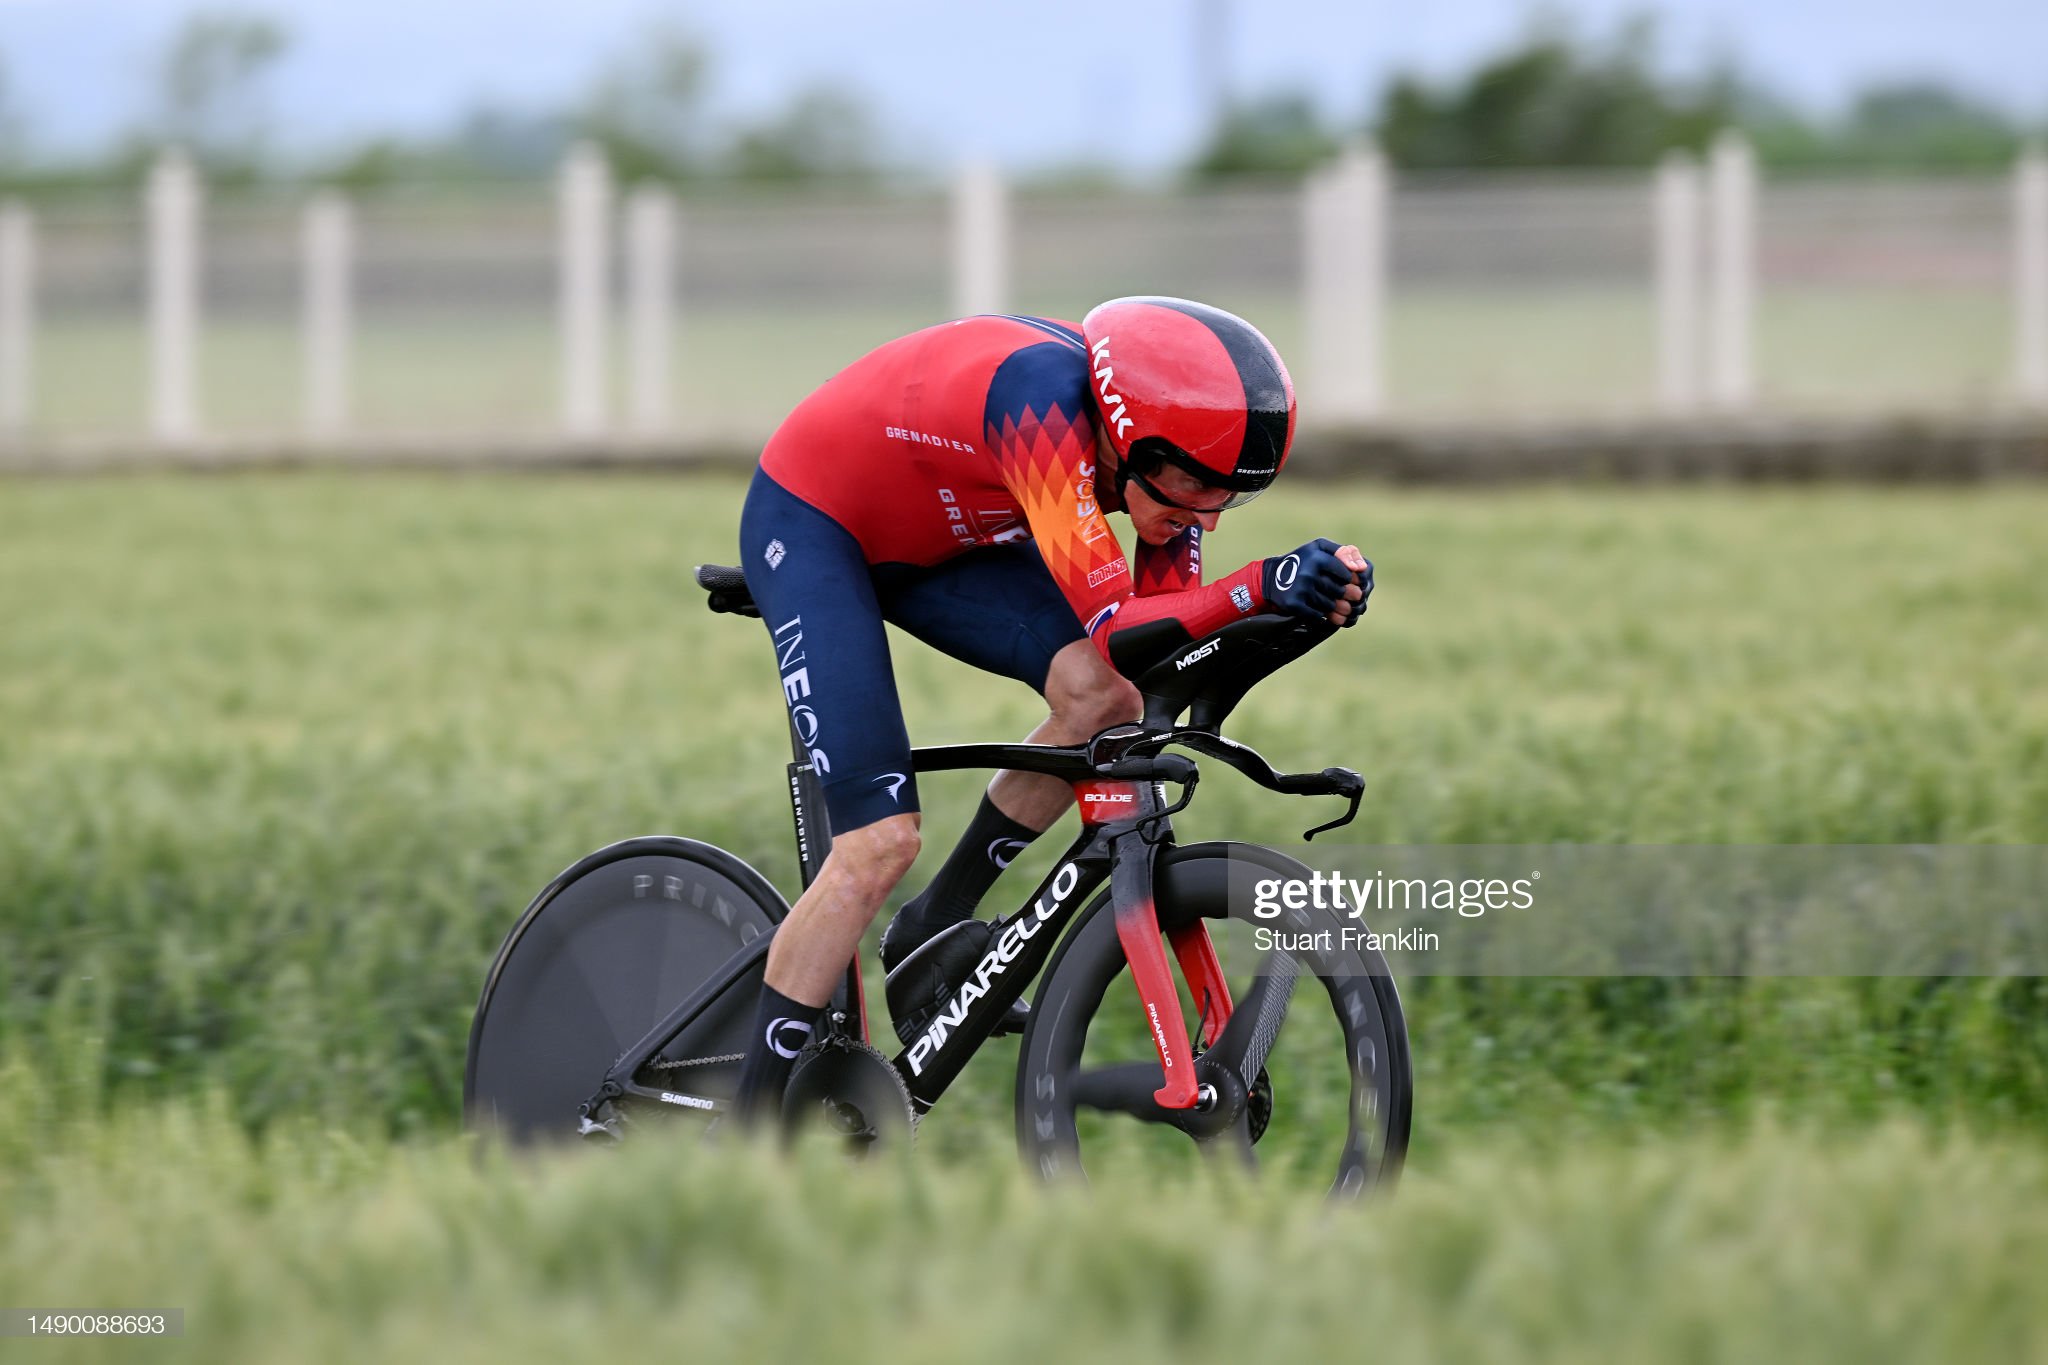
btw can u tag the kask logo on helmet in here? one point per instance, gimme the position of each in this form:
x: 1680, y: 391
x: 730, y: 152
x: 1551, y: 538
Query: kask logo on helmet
x: 1114, y: 410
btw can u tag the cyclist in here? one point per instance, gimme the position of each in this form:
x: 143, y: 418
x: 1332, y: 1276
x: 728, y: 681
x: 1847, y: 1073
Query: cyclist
x: 954, y: 482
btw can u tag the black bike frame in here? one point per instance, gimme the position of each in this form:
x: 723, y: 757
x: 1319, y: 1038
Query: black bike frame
x: 1020, y: 942
x: 1116, y: 849
x: 1118, y: 780
x: 807, y: 808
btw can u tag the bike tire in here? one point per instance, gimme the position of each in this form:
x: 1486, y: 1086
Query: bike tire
x: 1193, y: 881
x: 601, y: 956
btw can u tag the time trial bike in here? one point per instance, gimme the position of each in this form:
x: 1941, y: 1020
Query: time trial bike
x: 624, y: 994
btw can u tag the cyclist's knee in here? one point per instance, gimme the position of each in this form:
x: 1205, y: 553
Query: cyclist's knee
x: 876, y: 856
x: 1111, y: 706
x: 1086, y: 694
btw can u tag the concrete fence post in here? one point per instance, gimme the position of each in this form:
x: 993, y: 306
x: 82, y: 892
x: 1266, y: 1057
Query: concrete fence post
x: 1676, y: 208
x: 584, y: 213
x: 17, y: 317
x: 650, y: 307
x: 2030, y: 276
x: 981, y: 241
x: 327, y: 317
x: 172, y: 214
x: 1731, y: 255
x: 1345, y: 212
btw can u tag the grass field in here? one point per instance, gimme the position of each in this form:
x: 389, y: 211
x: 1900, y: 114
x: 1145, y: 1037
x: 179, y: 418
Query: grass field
x: 1888, y: 1245
x: 282, y: 757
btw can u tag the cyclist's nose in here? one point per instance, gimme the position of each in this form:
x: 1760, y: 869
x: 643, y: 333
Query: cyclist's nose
x: 1208, y: 520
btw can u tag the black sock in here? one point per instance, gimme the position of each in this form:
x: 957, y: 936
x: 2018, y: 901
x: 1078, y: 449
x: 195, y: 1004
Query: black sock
x: 781, y: 1027
x: 991, y: 841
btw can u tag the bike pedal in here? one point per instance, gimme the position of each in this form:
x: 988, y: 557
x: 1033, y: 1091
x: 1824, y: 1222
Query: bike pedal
x: 926, y: 981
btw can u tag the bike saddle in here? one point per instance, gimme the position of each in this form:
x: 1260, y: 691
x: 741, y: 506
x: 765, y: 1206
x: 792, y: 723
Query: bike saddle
x: 728, y: 589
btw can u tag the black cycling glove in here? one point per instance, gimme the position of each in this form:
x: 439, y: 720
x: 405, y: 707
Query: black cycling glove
x: 1311, y: 581
x: 1364, y: 596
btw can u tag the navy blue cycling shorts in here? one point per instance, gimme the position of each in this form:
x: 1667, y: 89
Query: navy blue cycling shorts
x: 995, y: 607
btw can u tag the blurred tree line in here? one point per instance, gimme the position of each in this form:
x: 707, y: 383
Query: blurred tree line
x: 650, y: 109
x: 1560, y: 98
x: 1557, y: 97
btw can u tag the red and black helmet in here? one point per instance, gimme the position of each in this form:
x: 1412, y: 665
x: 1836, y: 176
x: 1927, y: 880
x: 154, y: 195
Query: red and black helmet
x: 1192, y: 386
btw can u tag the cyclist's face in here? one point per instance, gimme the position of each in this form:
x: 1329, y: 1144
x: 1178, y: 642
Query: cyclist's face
x: 1158, y: 522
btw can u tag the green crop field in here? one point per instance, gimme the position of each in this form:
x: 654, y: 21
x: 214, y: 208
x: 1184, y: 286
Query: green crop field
x: 1889, y: 1245
x: 282, y: 757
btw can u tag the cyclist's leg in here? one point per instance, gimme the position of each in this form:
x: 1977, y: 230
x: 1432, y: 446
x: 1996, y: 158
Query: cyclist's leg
x: 811, y: 582
x: 1084, y: 696
x: 999, y: 609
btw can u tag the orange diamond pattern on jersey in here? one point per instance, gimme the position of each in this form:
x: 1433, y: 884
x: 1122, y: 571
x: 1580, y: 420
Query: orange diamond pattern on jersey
x: 1048, y: 463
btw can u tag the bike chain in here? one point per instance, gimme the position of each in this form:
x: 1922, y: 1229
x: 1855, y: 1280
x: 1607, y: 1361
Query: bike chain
x: 679, y: 1063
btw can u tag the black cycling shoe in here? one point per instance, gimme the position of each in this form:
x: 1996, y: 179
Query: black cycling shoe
x: 924, y: 978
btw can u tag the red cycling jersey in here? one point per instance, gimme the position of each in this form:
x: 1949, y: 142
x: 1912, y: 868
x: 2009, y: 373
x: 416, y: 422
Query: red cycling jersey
x: 980, y: 432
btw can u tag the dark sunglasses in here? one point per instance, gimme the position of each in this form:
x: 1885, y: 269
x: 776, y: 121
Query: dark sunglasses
x: 1153, y: 491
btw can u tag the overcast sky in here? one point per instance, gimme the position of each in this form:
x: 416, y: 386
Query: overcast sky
x: 1027, y: 83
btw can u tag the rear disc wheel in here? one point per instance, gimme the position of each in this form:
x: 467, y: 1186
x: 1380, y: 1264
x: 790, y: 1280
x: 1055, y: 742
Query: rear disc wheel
x: 600, y: 957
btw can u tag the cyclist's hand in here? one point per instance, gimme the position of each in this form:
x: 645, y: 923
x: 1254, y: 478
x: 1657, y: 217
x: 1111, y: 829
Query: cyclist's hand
x: 1359, y: 594
x: 1316, y: 581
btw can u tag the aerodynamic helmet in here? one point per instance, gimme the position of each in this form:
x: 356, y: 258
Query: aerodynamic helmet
x: 1182, y: 383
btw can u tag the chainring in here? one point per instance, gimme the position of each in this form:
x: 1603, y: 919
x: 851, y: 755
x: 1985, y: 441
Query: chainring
x: 848, y: 1090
